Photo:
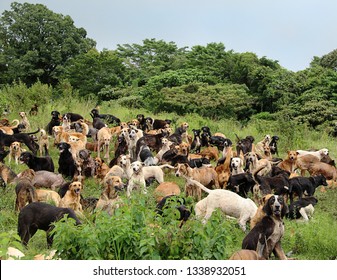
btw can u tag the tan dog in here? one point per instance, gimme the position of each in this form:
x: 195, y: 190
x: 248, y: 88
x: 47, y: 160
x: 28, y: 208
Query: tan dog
x: 289, y: 163
x: 48, y: 196
x: 165, y: 189
x: 262, y: 147
x: 101, y: 168
x: 15, y: 151
x: 166, y: 144
x: 304, y: 162
x: 319, y: 154
x: 210, y: 153
x: 103, y: 139
x: 245, y: 254
x: 24, y: 121
x: 7, y: 174
x: 109, y: 199
x: 72, y: 197
x: 43, y: 142
x: 327, y: 170
x: 255, y: 163
x: 223, y: 170
x: 63, y: 136
x: 207, y: 176
x: 183, y: 149
x: 76, y: 145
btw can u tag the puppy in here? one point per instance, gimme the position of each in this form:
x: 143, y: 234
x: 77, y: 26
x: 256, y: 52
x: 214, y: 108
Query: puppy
x: 137, y: 180
x: 39, y: 215
x: 228, y: 202
x: 15, y: 152
x: 72, y: 197
x: 265, y: 237
x: 302, y: 208
x: 109, y: 199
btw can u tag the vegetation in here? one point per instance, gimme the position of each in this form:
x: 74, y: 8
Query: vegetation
x: 46, y: 60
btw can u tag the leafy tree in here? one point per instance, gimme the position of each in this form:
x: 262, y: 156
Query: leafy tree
x: 90, y: 72
x: 36, y: 43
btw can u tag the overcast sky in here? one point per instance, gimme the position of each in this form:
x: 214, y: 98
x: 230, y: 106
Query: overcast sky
x: 290, y: 31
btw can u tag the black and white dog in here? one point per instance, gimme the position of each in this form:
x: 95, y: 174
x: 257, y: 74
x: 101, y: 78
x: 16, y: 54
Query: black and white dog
x: 302, y: 208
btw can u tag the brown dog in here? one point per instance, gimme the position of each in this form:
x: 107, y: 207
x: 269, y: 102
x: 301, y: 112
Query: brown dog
x: 101, y: 168
x: 210, y: 153
x: 260, y: 212
x: 289, y: 163
x: 166, y: 189
x: 327, y: 170
x: 304, y: 162
x: 7, y: 174
x: 25, y: 191
x: 48, y: 196
x: 15, y: 152
x: 207, y: 176
x: 245, y: 254
x: 72, y: 197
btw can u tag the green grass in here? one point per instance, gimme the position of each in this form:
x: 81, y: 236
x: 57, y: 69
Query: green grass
x: 314, y: 240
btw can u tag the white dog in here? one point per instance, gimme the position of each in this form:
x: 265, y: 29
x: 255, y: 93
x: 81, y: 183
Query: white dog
x: 237, y: 166
x: 137, y: 180
x: 319, y: 154
x: 229, y: 202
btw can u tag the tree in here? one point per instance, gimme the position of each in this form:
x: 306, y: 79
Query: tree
x: 35, y: 43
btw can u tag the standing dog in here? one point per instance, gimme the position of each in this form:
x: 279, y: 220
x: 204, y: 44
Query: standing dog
x: 137, y: 180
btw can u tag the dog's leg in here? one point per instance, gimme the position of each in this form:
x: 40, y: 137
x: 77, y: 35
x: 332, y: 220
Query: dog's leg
x: 278, y: 251
x: 303, y: 213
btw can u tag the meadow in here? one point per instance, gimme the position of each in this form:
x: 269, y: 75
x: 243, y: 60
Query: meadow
x: 135, y: 232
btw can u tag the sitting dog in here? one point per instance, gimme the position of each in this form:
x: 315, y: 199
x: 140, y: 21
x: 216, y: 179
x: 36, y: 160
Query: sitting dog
x: 55, y: 121
x: 101, y: 168
x: 39, y: 215
x: 7, y: 174
x: 37, y: 163
x: 265, y: 237
x: 43, y: 142
x: 273, y: 145
x: 109, y: 199
x: 67, y: 166
x: 86, y: 163
x: 228, y: 202
x: 302, y: 208
x: 260, y: 211
x: 72, y: 197
x: 290, y: 162
x: 24, y: 121
x: 15, y: 152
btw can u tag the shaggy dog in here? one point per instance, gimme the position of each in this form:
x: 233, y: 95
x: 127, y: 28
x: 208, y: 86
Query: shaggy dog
x: 37, y: 163
x: 25, y: 191
x: 43, y: 142
x: 228, y: 202
x: 265, y: 237
x: 109, y: 199
x: 302, y: 208
x: 39, y: 215
x: 72, y: 197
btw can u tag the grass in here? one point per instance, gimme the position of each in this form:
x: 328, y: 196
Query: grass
x: 314, y: 240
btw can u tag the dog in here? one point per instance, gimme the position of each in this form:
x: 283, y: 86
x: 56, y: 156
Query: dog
x: 47, y: 179
x: 73, y: 117
x: 110, y: 119
x: 86, y: 164
x: 210, y: 153
x: 39, y: 215
x: 15, y: 152
x: 103, y: 139
x: 7, y: 140
x: 196, y: 143
x: 3, y: 154
x: 255, y: 163
x: 244, y: 145
x: 273, y: 145
x: 327, y: 170
x: 227, y: 201
x: 137, y: 180
x: 109, y: 199
x: 72, y: 197
x: 24, y: 121
x: 245, y: 254
x: 242, y: 184
x: 67, y: 166
x: 305, y: 185
x: 43, y: 142
x: 37, y: 163
x: 290, y: 162
x: 304, y: 162
x: 101, y: 168
x: 207, y: 176
x: 25, y: 191
x: 55, y: 121
x: 48, y: 196
x: 262, y: 147
x: 260, y: 211
x: 302, y: 208
x: 7, y: 175
x: 165, y: 146
x: 265, y: 237
x: 319, y: 154
x: 236, y: 166
x: 165, y: 189
x: 175, y: 202
x: 145, y: 155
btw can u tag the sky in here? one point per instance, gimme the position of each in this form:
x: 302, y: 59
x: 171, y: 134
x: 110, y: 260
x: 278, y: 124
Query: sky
x: 292, y: 32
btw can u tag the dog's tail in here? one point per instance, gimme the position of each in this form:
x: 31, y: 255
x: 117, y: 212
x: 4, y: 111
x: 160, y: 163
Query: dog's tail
x: 255, y: 177
x: 196, y: 183
x: 34, y: 132
x: 166, y: 165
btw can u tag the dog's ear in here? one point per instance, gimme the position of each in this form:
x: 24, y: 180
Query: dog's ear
x: 267, y: 209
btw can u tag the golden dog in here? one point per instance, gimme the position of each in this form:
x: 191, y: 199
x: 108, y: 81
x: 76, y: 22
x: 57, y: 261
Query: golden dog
x: 48, y: 196
x: 43, y: 142
x: 289, y: 163
x: 210, y: 153
x: 245, y: 254
x: 72, y: 197
x: 109, y: 199
x: 15, y: 152
x: 101, y: 168
x: 166, y: 189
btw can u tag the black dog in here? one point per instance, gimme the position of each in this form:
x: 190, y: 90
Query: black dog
x: 38, y: 215
x: 273, y: 145
x: 37, y: 163
x: 7, y: 140
x: 196, y: 143
x: 111, y: 119
x: 173, y: 201
x: 67, y: 166
x: 198, y: 162
x: 245, y: 145
x: 73, y: 117
x: 242, y: 184
x: 304, y: 207
x: 55, y: 121
x: 220, y: 142
x: 3, y: 154
x: 305, y: 185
